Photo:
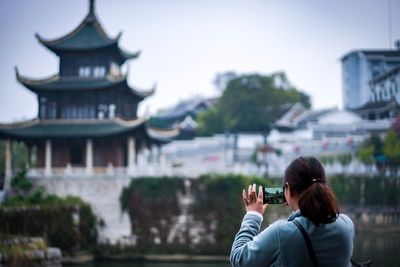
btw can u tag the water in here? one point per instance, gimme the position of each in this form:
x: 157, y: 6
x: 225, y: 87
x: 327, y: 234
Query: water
x: 128, y: 264
x: 382, y: 246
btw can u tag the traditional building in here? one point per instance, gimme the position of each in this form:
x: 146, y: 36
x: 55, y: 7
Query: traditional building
x: 183, y: 116
x: 87, y: 121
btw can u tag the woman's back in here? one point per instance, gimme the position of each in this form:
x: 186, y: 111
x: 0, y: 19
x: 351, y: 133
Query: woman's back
x: 282, y: 244
x: 332, y: 243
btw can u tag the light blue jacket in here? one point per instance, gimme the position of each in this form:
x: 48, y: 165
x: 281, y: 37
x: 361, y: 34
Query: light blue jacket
x: 282, y: 244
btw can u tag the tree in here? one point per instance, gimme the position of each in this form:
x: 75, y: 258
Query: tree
x: 391, y: 149
x: 210, y: 122
x: 250, y: 103
x: 371, y: 152
x: 222, y: 79
x: 344, y: 159
x: 366, y: 154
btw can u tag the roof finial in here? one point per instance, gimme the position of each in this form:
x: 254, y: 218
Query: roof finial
x: 91, y: 8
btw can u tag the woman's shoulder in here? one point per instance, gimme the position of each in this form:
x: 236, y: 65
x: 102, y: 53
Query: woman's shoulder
x: 345, y: 221
x: 283, y: 226
x: 342, y: 221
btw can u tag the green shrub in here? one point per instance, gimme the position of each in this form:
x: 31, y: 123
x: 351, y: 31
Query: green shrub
x: 152, y: 205
x: 53, y: 218
x: 216, y: 211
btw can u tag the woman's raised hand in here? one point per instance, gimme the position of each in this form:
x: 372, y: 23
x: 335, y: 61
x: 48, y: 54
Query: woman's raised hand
x: 252, y: 201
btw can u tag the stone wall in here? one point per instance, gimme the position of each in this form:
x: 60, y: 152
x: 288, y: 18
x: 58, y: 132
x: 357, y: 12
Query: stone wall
x: 50, y: 257
x: 102, y: 193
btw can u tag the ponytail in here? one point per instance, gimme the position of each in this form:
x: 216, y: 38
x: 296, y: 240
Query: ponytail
x: 318, y: 204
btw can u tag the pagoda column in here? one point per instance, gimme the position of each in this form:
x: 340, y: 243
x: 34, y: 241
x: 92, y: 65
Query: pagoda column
x: 89, y: 156
x: 8, y: 167
x: 131, y: 155
x: 47, y: 164
x: 28, y: 156
x: 159, y: 153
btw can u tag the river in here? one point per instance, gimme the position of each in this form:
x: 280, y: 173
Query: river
x: 382, y: 246
x: 129, y: 264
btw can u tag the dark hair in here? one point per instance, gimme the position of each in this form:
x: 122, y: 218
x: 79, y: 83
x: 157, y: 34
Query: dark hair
x: 317, y: 202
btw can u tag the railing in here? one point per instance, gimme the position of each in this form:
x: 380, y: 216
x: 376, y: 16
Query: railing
x: 150, y: 169
x: 275, y: 167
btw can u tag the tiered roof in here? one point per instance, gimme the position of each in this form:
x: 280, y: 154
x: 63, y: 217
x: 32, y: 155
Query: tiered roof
x: 37, y: 129
x: 61, y: 83
x: 89, y: 35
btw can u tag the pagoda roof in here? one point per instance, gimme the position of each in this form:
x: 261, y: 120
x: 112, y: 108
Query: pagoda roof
x: 56, y: 83
x: 88, y: 35
x: 37, y: 129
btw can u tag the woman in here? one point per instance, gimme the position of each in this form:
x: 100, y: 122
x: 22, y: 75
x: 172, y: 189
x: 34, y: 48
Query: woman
x: 282, y: 243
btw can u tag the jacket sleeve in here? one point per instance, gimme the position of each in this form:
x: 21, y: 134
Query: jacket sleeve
x: 251, y: 248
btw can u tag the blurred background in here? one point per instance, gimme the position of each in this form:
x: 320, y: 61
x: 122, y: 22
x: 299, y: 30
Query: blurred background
x: 110, y: 109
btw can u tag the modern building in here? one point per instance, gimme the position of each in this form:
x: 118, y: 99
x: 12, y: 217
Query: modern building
x: 87, y: 121
x: 359, y: 69
x: 384, y: 101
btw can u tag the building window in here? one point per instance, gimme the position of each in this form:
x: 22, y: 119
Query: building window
x: 111, y: 110
x: 102, y: 111
x: 84, y: 71
x: 92, y: 71
x: 99, y: 71
x: 48, y: 108
x: 43, y: 102
x: 78, y: 111
x: 52, y: 110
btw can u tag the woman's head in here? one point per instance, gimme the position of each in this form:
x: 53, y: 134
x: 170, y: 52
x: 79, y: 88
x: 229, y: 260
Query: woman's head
x: 307, y: 181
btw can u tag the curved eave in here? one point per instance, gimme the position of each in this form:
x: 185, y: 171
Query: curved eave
x: 121, y: 55
x: 124, y: 55
x: 57, y: 83
x: 67, y: 42
x: 162, y: 135
x: 39, y: 129
x: 142, y: 94
x: 59, y: 51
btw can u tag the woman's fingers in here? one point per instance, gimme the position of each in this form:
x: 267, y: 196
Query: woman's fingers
x: 245, y: 200
x: 252, y: 195
x: 260, y: 193
x: 253, y: 192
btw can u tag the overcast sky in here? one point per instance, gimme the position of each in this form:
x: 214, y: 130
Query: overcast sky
x: 185, y: 43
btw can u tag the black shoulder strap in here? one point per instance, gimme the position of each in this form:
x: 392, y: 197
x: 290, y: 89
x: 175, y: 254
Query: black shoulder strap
x: 308, y: 242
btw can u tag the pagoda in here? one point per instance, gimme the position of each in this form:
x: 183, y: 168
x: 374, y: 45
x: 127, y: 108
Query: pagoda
x: 87, y: 121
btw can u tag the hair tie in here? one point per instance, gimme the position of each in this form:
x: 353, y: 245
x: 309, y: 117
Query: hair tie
x: 316, y: 180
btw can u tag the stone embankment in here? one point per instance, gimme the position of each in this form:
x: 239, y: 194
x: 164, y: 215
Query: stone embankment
x: 49, y: 257
x: 102, y: 193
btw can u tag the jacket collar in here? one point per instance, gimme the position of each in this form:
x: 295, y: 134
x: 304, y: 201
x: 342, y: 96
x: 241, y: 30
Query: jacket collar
x: 294, y: 214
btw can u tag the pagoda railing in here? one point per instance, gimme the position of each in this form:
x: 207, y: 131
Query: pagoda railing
x: 150, y: 169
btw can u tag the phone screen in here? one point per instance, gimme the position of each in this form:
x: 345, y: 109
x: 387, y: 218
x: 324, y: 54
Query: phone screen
x: 273, y: 195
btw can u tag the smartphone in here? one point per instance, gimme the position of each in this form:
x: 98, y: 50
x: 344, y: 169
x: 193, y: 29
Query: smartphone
x: 273, y: 195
